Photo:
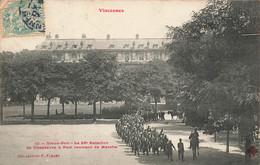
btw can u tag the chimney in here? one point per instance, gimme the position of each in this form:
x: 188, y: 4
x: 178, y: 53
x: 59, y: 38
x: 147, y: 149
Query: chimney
x: 84, y: 36
x: 48, y: 36
x: 56, y: 36
x: 137, y: 36
x: 108, y: 37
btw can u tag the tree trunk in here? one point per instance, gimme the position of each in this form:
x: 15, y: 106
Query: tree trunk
x: 247, y: 147
x: 1, y: 110
x: 100, y: 108
x: 239, y: 138
x: 76, y: 108
x: 155, y: 105
x: 62, y: 104
x: 23, y: 109
x: 48, y: 107
x: 215, y: 136
x: 130, y: 108
x: 94, y: 111
x: 227, y: 147
x: 32, y: 111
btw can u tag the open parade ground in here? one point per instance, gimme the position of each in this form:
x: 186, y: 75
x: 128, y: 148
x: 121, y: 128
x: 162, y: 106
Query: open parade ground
x: 81, y: 142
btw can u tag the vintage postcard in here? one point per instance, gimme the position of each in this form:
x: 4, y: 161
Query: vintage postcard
x: 129, y: 82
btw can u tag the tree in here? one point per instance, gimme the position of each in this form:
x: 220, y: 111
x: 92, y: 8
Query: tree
x: 97, y: 77
x: 26, y: 76
x: 213, y: 49
x: 156, y: 79
x: 51, y: 86
x: 8, y: 64
x: 74, y: 84
x: 5, y: 83
x: 128, y: 87
x: 64, y: 84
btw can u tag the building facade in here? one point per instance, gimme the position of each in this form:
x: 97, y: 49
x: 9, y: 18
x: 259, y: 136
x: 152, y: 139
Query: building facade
x: 127, y: 50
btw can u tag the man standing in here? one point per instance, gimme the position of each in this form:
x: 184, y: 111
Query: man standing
x: 180, y: 150
x: 169, y: 146
x: 194, y: 136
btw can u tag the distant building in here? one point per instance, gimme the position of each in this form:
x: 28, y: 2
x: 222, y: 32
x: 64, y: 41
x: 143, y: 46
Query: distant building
x: 127, y: 50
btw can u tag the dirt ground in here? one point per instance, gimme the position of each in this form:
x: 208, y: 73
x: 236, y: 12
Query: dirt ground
x: 78, y: 134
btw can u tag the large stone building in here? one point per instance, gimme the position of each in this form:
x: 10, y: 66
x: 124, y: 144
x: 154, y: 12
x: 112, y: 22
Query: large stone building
x: 128, y: 50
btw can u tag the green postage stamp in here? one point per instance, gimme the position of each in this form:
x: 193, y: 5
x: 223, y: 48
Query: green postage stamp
x: 23, y: 18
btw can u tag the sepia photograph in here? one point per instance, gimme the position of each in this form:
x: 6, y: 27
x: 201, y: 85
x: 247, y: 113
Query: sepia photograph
x: 121, y: 82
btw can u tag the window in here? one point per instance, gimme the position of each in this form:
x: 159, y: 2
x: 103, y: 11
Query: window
x: 155, y: 46
x: 74, y: 57
x: 133, y: 56
x: 66, y: 45
x: 111, y: 46
x: 74, y: 46
x: 141, y: 56
x: 155, y: 55
x: 119, y: 56
x: 89, y: 46
x: 44, y: 46
x: 59, y: 57
x: 141, y: 46
x: 81, y: 44
x: 58, y: 47
x: 126, y: 46
x: 127, y: 57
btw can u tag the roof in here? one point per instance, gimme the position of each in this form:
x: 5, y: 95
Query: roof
x: 87, y: 43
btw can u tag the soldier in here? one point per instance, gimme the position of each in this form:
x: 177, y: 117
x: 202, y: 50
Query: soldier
x: 169, y: 146
x: 154, y: 133
x: 155, y: 145
x: 144, y: 144
x: 163, y: 144
x: 148, y: 129
x: 194, y: 136
x: 190, y: 137
x: 161, y: 133
x: 180, y: 149
x: 137, y: 145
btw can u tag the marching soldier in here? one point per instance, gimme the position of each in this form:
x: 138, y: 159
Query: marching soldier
x: 169, y: 147
x: 180, y: 149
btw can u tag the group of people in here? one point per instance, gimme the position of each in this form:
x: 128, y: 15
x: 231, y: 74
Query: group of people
x: 151, y: 116
x: 131, y: 130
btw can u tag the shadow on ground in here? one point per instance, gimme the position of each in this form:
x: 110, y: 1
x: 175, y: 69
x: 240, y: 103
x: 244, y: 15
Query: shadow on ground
x: 66, y: 122
x: 208, y: 156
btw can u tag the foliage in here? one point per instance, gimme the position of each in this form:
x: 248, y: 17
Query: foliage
x: 216, y: 65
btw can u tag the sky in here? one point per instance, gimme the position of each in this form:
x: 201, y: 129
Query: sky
x: 72, y: 18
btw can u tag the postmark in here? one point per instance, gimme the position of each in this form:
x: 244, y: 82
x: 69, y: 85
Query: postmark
x: 23, y: 18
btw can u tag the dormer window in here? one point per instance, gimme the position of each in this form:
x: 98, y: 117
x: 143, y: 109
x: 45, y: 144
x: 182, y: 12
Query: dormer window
x: 111, y: 46
x: 66, y: 45
x: 44, y: 46
x: 126, y: 46
x: 141, y: 46
x: 50, y: 45
x: 89, y: 46
x: 58, y: 47
x: 81, y: 44
x: 155, y: 46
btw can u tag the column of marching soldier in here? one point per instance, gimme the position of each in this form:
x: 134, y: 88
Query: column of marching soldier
x: 131, y: 130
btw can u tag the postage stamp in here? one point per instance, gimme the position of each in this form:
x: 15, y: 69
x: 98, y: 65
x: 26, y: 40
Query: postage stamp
x: 23, y: 18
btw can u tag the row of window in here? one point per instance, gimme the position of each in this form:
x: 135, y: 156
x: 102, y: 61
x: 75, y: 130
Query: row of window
x: 89, y: 46
x: 139, y: 56
x: 126, y: 56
